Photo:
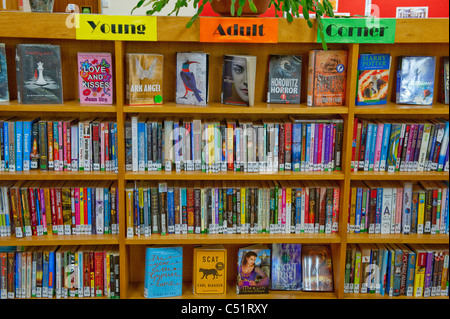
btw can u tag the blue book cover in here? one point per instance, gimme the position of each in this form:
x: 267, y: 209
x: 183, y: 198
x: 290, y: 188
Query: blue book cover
x: 141, y: 146
x: 89, y: 211
x: 163, y: 272
x: 415, y: 80
x: 383, y: 254
x: 296, y: 145
x: 308, y: 147
x: 368, y: 146
x: 27, y: 144
x: 385, y: 146
x: 286, y: 267
x: 45, y: 274
x: 51, y: 271
x: 372, y: 148
x: 358, y: 210
x: 6, y: 144
x: 107, y: 211
x: 373, y: 79
x: 398, y: 262
x: 4, y: 91
x: 410, y: 272
x: 19, y: 146
x: 170, y: 210
x: 379, y: 210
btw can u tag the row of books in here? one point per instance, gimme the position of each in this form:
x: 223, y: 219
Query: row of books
x: 60, y: 272
x: 234, y: 145
x: 39, y: 78
x: 228, y: 208
x: 399, y: 208
x: 58, y: 144
x: 405, y: 146
x: 58, y: 208
x: 393, y: 270
x: 289, y: 267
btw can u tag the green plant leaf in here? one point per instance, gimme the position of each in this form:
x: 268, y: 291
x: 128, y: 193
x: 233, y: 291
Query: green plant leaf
x: 232, y: 7
x: 252, y: 6
x: 138, y: 5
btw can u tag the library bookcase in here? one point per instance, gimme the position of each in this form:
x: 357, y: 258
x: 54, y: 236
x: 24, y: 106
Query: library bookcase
x: 413, y: 37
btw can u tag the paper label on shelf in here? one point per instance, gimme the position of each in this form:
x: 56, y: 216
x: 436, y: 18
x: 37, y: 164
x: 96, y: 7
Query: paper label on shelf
x: 239, y: 30
x: 358, y: 30
x: 115, y: 28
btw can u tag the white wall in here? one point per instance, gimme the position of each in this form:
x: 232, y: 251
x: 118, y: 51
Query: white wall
x: 124, y: 7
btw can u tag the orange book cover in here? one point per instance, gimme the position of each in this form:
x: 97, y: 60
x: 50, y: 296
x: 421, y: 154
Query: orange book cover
x: 327, y: 75
x: 210, y: 270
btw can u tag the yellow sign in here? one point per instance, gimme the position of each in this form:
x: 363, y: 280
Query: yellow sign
x: 121, y: 28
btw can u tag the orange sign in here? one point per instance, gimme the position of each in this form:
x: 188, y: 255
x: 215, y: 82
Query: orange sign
x: 239, y: 30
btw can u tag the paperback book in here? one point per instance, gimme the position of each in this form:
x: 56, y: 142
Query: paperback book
x: 444, y: 80
x: 285, y: 72
x: 163, y: 272
x: 238, y: 80
x: 39, y: 76
x: 317, y: 268
x: 144, y: 79
x: 192, y: 78
x: 253, y: 270
x: 286, y: 267
x: 327, y: 77
x: 373, y: 79
x: 95, y: 78
x: 4, y: 90
x: 415, y: 80
x: 210, y: 270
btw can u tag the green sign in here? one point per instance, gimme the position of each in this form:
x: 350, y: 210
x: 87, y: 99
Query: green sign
x: 358, y: 30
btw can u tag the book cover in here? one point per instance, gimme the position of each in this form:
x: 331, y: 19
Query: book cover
x: 192, y: 78
x: 238, y: 80
x: 163, y: 272
x: 253, y: 270
x: 415, y: 80
x: 373, y: 79
x: 327, y: 75
x: 39, y: 77
x: 444, y: 79
x: 210, y: 270
x: 285, y: 72
x: 317, y: 268
x: 286, y: 265
x: 4, y: 90
x: 144, y: 79
x: 95, y: 78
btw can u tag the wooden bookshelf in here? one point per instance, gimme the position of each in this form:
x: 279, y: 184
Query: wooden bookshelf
x: 413, y: 37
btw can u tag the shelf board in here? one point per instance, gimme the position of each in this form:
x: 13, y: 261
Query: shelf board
x: 399, y: 109
x: 52, y: 175
x: 50, y: 240
x: 136, y: 291
x: 378, y: 296
x: 66, y: 107
x: 218, y: 108
x: 403, y: 176
x: 397, y: 239
x: 234, y: 176
x: 235, y: 239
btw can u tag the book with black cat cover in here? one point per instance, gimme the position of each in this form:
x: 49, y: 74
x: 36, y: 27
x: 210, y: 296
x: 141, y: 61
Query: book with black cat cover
x: 39, y: 75
x: 210, y: 270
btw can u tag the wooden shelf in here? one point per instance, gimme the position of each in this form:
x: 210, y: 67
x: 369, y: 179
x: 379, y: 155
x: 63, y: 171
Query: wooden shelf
x: 136, y: 291
x: 52, y: 175
x: 236, y: 176
x: 66, y: 107
x: 259, y: 108
x: 50, y: 240
x: 397, y: 239
x: 402, y: 176
x: 378, y: 296
x: 399, y: 109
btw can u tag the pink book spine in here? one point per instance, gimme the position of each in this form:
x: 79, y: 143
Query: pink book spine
x: 283, y: 210
x: 335, y: 218
x: 43, y: 212
x: 378, y: 144
x: 102, y: 146
x: 77, y: 207
x: 319, y: 148
x: 61, y: 146
x: 398, y: 210
x: 95, y: 78
x: 64, y: 129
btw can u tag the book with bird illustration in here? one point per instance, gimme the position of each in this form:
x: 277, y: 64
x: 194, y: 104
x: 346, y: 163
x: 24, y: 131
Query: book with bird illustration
x: 95, y: 78
x: 210, y: 270
x: 415, y: 80
x: 373, y: 78
x: 39, y: 75
x: 144, y: 79
x: 192, y: 78
x: 285, y: 72
x: 327, y: 77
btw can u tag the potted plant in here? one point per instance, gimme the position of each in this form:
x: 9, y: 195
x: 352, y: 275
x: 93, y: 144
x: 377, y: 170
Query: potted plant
x: 289, y: 8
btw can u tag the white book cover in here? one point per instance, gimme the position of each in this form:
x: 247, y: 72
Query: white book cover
x: 406, y: 217
x: 386, y: 211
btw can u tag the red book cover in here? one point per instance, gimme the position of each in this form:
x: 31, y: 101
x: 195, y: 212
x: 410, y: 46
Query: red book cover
x: 59, y: 211
x: 288, y: 146
x: 54, y: 213
x: 68, y: 157
x: 190, y: 209
x: 92, y: 272
x: 50, y: 145
x: 95, y: 147
x: 282, y: 147
x: 64, y: 129
x: 86, y: 272
x: 56, y: 146
x: 32, y: 205
x: 61, y: 146
x: 85, y: 207
x: 319, y: 146
x: 107, y: 131
x: 98, y: 273
x: 355, y: 131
